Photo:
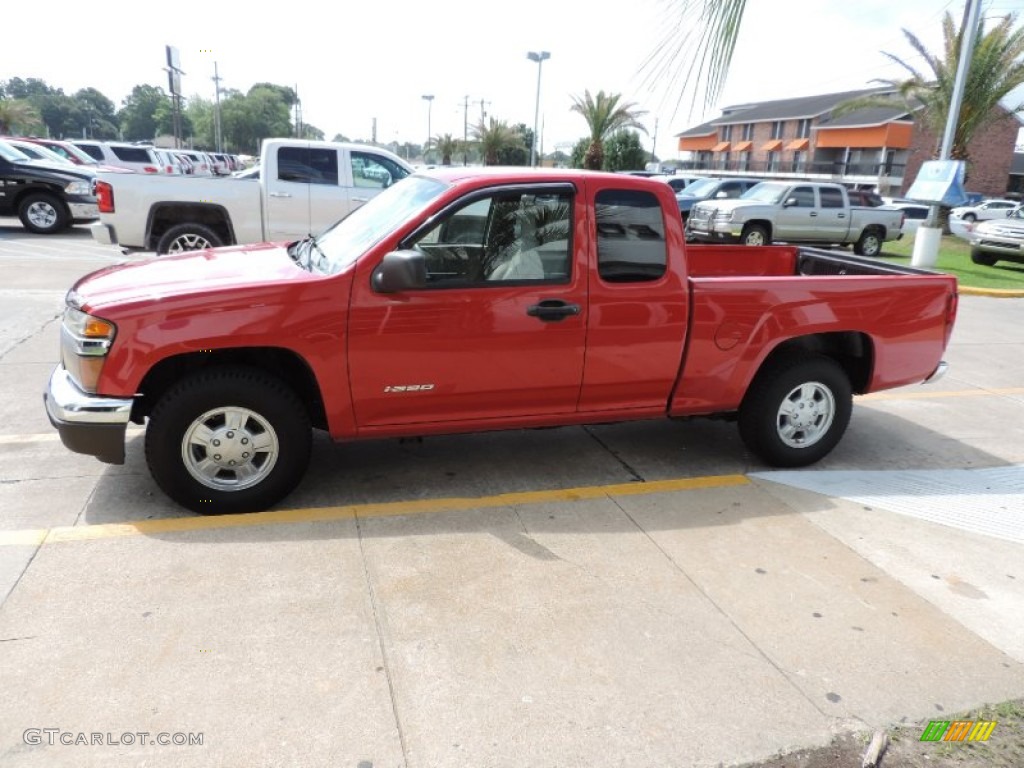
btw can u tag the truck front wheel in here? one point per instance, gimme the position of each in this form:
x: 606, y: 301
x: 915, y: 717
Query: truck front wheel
x: 755, y: 234
x: 227, y: 440
x: 43, y: 214
x: 978, y: 256
x: 188, y: 237
x: 796, y: 410
x: 869, y: 244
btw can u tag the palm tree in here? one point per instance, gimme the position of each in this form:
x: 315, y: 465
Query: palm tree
x: 996, y: 68
x: 604, y: 116
x: 446, y: 145
x: 697, y: 48
x: 493, y: 137
x: 17, y: 115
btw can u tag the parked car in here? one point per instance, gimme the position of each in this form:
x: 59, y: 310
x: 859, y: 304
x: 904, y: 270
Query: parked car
x: 304, y: 186
x: 988, y: 209
x: 678, y: 182
x: 461, y: 300
x: 710, y: 189
x: 800, y: 212
x: 77, y: 156
x: 999, y: 239
x: 139, y: 159
x: 37, y: 151
x: 169, y: 162
x: 202, y: 165
x: 47, y: 197
x: 914, y: 214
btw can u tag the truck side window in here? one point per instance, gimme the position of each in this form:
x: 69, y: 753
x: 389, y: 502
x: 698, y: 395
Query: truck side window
x: 830, y: 197
x: 370, y: 170
x: 507, y: 236
x: 630, y: 236
x: 804, y: 197
x: 307, y: 165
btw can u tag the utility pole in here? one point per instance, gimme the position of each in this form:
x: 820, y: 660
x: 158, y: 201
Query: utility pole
x: 465, y: 130
x: 654, y: 145
x: 217, y: 135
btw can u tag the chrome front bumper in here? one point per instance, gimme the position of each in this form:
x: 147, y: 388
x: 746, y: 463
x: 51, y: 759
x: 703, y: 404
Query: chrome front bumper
x: 90, y: 424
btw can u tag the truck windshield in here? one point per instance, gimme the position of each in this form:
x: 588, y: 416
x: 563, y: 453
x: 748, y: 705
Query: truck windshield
x: 765, y: 192
x: 351, y: 237
x: 700, y: 188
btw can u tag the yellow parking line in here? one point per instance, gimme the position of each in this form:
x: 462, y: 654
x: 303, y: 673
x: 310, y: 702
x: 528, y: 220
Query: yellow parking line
x: 924, y: 394
x: 327, y: 514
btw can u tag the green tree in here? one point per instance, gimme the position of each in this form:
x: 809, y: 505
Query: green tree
x: 518, y: 154
x: 311, y: 132
x: 17, y: 88
x: 996, y: 68
x: 199, y: 114
x: 579, y: 152
x: 697, y: 48
x: 18, y: 116
x: 340, y: 137
x: 247, y: 120
x: 494, y: 137
x: 624, y: 152
x: 138, y: 115
x: 445, y: 145
x: 604, y: 115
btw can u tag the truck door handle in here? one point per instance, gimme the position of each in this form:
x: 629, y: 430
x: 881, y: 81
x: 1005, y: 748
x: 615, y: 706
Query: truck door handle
x: 360, y: 199
x: 842, y: 215
x: 813, y: 214
x: 553, y: 310
x: 280, y: 194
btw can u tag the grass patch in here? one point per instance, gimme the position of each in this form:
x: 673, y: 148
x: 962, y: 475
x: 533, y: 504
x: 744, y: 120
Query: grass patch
x: 955, y: 259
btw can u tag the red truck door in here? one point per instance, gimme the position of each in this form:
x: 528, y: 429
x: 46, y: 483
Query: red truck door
x: 637, y: 325
x: 500, y: 329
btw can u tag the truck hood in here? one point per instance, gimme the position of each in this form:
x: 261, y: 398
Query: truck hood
x: 219, y: 270
x: 1011, y: 227
x: 727, y: 205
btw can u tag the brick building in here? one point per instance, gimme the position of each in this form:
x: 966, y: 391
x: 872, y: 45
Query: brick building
x: 876, y: 147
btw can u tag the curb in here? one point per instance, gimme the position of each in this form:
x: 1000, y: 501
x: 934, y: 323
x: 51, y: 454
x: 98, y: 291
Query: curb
x: 997, y: 293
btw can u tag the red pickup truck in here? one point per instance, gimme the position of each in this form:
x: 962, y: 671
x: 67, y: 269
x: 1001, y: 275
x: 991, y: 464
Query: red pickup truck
x: 464, y: 300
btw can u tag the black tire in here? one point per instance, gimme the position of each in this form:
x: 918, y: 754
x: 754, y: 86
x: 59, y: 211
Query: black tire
x: 869, y: 244
x: 982, y: 258
x: 970, y: 218
x: 814, y: 385
x: 188, y: 237
x: 43, y: 214
x: 257, y: 422
x: 755, y: 234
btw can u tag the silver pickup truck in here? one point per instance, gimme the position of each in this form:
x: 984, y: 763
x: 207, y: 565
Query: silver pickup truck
x: 801, y: 212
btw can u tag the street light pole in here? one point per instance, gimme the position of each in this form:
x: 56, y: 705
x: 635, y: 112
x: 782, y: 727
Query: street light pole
x: 539, y: 58
x: 429, y: 98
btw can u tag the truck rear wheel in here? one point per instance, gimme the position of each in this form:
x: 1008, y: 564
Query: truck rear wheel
x: 227, y: 440
x: 984, y: 259
x: 796, y: 409
x: 755, y: 234
x: 869, y: 244
x: 188, y: 237
x: 43, y: 214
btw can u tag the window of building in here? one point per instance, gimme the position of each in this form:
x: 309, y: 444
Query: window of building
x: 773, y: 162
x: 803, y: 128
x: 798, y: 161
x: 726, y: 131
x: 777, y: 129
x: 506, y: 236
x: 630, y: 236
x: 744, y: 164
x: 748, y: 132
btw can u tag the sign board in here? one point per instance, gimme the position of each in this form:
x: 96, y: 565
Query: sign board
x: 939, y: 182
x: 174, y: 82
x: 173, y: 58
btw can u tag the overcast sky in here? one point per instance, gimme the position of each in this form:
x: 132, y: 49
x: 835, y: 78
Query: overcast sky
x: 356, y: 62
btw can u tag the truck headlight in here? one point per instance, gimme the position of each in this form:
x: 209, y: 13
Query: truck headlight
x: 85, y: 341
x: 79, y: 188
x: 723, y: 215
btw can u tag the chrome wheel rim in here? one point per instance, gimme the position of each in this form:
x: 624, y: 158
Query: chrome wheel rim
x: 755, y: 238
x: 805, y: 415
x: 230, y: 448
x: 42, y: 214
x: 189, y: 243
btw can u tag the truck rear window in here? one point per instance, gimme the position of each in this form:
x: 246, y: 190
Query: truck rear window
x: 630, y: 236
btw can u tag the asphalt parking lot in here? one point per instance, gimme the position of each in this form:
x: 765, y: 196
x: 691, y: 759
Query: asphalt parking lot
x: 644, y: 594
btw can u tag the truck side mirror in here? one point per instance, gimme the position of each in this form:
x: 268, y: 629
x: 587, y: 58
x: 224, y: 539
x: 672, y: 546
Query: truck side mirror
x: 400, y: 271
x: 790, y: 202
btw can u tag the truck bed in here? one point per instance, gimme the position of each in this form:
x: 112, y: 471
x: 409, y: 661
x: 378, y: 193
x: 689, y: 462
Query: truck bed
x: 785, y: 261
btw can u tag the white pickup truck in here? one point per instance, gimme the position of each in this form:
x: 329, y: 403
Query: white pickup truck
x: 300, y: 188
x: 795, y: 212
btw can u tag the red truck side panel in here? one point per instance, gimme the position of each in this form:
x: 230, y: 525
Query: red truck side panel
x: 737, y: 322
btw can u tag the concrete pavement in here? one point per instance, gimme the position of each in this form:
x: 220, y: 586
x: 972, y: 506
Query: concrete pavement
x: 641, y: 594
